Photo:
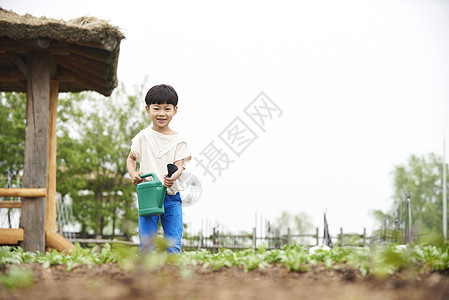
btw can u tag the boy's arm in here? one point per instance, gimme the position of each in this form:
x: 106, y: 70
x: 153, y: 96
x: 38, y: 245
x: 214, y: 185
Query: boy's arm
x: 131, y: 165
x: 168, y: 181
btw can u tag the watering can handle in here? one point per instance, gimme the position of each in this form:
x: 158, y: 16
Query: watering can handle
x: 150, y: 174
x: 172, y: 168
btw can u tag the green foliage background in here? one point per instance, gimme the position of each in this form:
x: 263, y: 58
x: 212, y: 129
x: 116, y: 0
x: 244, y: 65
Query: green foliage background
x: 94, y: 137
x: 422, y: 176
x: 12, y: 135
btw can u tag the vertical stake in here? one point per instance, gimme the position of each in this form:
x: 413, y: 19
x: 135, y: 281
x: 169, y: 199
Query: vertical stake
x: 444, y: 191
x: 341, y: 237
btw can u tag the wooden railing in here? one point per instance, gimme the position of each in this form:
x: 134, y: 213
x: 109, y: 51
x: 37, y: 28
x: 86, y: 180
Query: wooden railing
x: 28, y: 193
x: 10, y: 204
x: 12, y: 236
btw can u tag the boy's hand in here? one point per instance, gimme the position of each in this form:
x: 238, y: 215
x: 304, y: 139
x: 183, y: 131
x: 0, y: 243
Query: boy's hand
x: 136, y: 178
x: 168, y: 181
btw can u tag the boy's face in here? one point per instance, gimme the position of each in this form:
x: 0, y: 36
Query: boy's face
x: 161, y: 114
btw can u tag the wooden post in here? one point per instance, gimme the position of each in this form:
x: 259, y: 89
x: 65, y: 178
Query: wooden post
x: 288, y: 236
x: 50, y: 209
x: 341, y: 237
x: 36, y: 149
x: 444, y: 191
x: 317, y: 236
x: 254, y: 238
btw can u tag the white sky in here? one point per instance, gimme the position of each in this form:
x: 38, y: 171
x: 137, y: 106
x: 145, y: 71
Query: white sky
x: 362, y: 85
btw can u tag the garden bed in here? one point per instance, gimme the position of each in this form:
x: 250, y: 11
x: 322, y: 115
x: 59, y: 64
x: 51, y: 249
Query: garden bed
x: 375, y: 272
x: 109, y: 281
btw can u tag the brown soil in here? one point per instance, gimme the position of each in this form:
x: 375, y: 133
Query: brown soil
x: 109, y: 282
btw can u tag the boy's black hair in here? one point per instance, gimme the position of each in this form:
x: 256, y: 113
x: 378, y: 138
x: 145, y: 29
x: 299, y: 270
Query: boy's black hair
x: 162, y: 94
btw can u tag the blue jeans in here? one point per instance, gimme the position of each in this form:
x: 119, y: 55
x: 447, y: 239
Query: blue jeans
x: 171, y: 223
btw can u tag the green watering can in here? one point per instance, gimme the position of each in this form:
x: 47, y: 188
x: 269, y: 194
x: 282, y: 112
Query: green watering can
x: 151, y: 194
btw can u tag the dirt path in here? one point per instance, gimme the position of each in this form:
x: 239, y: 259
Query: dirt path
x: 109, y: 282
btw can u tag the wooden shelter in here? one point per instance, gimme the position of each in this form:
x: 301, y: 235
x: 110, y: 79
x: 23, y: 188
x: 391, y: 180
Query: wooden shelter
x: 42, y: 57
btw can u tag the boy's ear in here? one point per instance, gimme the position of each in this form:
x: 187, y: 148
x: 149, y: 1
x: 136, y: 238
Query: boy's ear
x: 147, y: 108
x: 176, y: 109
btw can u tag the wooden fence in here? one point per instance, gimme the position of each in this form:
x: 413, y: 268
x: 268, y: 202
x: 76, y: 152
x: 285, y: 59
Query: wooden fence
x: 217, y: 240
x: 243, y: 241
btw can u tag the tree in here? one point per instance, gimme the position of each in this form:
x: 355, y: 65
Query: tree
x: 422, y: 177
x: 12, y: 135
x: 303, y: 223
x: 284, y: 221
x: 93, y: 146
x: 298, y: 224
x: 12, y: 141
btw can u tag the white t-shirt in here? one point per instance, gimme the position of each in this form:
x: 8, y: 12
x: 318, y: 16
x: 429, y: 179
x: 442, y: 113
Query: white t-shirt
x: 155, y: 150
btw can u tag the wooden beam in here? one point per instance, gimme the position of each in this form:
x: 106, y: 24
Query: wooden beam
x: 24, y: 45
x: 23, y: 192
x: 11, y: 88
x: 36, y: 149
x: 10, y: 204
x: 83, y: 70
x: 72, y: 87
x: 11, y: 236
x: 84, y: 62
x: 88, y: 81
x: 114, y: 78
x: 60, y: 51
x: 68, y: 81
x: 11, y: 74
x: 64, y: 75
x: 95, y: 54
x: 5, y: 62
x: 56, y: 241
x: 21, y: 65
x: 10, y: 45
x: 17, y: 83
x: 50, y: 207
x: 109, y: 46
x: 94, y: 87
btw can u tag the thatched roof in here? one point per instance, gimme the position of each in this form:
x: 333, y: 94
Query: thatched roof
x: 85, y: 49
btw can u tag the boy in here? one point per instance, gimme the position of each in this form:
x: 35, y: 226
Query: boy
x: 155, y: 147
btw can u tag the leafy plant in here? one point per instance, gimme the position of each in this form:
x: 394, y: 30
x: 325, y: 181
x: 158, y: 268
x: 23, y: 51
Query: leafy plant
x: 16, y: 277
x: 380, y: 261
